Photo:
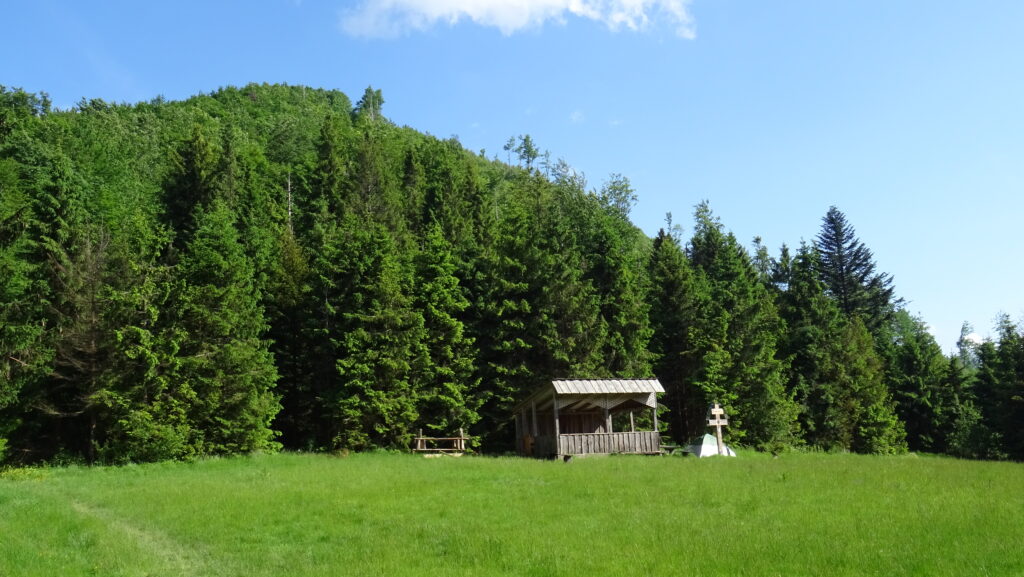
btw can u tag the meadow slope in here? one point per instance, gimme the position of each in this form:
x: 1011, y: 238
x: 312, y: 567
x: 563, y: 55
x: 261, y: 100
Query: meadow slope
x: 395, y: 515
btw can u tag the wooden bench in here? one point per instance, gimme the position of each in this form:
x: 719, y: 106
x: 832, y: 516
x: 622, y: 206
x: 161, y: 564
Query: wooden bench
x: 449, y: 445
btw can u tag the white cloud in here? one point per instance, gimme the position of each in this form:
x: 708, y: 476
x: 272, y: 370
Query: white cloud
x: 577, y: 117
x: 389, y: 18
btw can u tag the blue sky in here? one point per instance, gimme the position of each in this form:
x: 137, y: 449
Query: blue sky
x: 908, y: 115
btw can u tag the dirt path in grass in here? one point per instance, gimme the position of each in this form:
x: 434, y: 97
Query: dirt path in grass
x: 175, y: 558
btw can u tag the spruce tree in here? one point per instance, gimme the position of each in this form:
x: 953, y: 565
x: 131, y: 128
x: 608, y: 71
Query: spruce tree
x: 60, y: 405
x: 224, y: 360
x: 289, y: 308
x: 192, y: 182
x: 1000, y: 387
x: 617, y: 253
x: 144, y: 404
x: 813, y: 325
x: 447, y: 387
x: 738, y: 329
x: 21, y: 326
x: 848, y: 272
x: 500, y: 290
x: 916, y: 375
x: 380, y: 345
x: 675, y: 298
x: 835, y: 374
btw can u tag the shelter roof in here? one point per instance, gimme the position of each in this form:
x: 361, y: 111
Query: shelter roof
x: 584, y: 394
x: 606, y: 386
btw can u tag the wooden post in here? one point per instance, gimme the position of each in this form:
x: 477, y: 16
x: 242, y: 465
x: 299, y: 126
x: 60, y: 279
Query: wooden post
x: 533, y: 409
x: 718, y: 420
x: 607, y: 417
x: 519, y: 433
x: 654, y: 415
x: 558, y: 435
x: 632, y: 425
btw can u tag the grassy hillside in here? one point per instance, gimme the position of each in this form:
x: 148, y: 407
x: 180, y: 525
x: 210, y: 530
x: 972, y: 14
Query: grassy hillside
x: 399, y: 514
x: 381, y: 514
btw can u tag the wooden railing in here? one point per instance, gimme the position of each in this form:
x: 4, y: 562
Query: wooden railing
x: 643, y: 442
x: 640, y: 442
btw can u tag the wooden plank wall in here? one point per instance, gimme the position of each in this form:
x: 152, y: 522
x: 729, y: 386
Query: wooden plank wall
x: 643, y: 442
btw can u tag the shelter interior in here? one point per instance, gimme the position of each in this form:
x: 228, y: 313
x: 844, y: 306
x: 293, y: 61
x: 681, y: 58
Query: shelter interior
x: 577, y: 416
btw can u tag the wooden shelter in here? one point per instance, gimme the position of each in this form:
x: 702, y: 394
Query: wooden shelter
x: 575, y: 417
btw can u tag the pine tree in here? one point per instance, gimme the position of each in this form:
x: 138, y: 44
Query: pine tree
x: 835, y: 374
x: 21, y: 318
x: 60, y: 407
x: 916, y: 374
x: 848, y: 272
x: 738, y: 329
x: 145, y: 406
x: 380, y: 344
x: 1000, y: 387
x: 502, y: 310
x: 224, y: 359
x: 333, y: 170
x: 289, y: 309
x: 193, y: 182
x: 675, y: 299
x: 617, y: 253
x: 813, y: 326
x: 447, y: 389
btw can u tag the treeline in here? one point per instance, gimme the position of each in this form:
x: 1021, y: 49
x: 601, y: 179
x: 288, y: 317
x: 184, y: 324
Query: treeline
x: 272, y: 266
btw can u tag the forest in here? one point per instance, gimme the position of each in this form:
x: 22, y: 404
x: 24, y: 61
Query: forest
x: 274, y: 267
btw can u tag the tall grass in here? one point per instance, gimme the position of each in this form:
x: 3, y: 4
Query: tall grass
x: 397, y: 515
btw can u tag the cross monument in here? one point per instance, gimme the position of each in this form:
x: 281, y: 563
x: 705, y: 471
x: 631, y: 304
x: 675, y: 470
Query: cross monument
x: 717, y: 419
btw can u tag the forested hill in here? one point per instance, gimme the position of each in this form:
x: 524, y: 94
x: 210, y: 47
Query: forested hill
x: 272, y: 266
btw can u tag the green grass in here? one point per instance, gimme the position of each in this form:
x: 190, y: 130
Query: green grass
x: 397, y: 515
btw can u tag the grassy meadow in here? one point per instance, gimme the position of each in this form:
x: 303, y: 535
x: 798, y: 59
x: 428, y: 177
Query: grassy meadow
x: 395, y: 515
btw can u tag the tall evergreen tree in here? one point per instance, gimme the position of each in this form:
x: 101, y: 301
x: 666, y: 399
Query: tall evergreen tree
x: 676, y: 297
x: 970, y: 435
x: 738, y: 331
x: 917, y: 374
x: 224, y: 360
x: 380, y: 347
x: 835, y: 374
x: 193, y: 182
x: 289, y: 310
x: 144, y: 405
x: 848, y: 272
x: 1000, y: 387
x: 447, y: 389
x: 501, y: 293
x: 60, y: 406
x: 860, y: 414
x: 617, y: 253
x: 21, y: 329
x: 813, y: 327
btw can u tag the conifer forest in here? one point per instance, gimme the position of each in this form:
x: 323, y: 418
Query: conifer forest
x: 274, y: 267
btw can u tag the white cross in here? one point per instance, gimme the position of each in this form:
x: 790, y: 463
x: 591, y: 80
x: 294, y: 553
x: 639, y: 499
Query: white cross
x: 717, y: 419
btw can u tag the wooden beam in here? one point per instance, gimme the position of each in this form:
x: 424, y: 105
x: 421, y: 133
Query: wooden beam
x: 607, y: 417
x: 519, y: 432
x: 533, y: 409
x: 558, y: 438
